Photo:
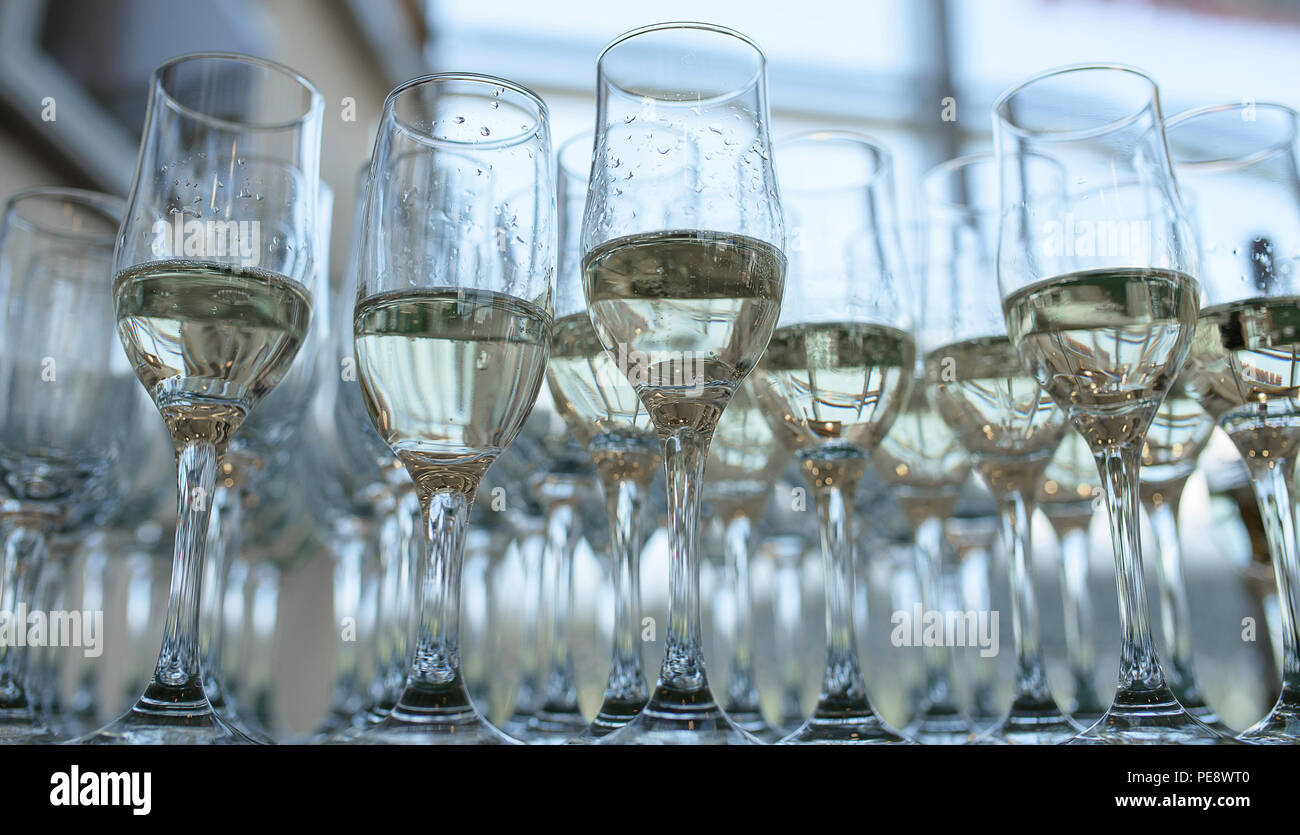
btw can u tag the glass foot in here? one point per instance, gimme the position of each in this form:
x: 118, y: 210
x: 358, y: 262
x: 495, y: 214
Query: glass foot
x: 1030, y: 722
x: 168, y: 716
x: 752, y: 721
x: 1280, y: 727
x: 553, y: 725
x: 613, y: 715
x: 24, y: 726
x: 858, y: 725
x: 427, y: 715
x: 940, y: 725
x: 1150, y: 717
x: 680, y: 718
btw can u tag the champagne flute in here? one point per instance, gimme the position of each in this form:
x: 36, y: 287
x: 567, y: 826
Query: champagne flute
x: 683, y: 271
x: 215, y: 278
x: 836, y: 376
x: 67, y: 407
x: 1100, y: 300
x: 452, y: 328
x: 1239, y: 164
x: 603, y: 413
x: 1007, y: 423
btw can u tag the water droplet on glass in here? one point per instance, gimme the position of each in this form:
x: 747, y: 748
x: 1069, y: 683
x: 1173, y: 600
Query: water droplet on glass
x: 484, y: 131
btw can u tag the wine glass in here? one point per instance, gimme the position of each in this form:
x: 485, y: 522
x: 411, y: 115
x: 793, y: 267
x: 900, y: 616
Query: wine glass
x: 1100, y: 298
x: 66, y: 403
x: 452, y: 329
x: 683, y: 272
x: 745, y: 459
x: 602, y: 411
x: 1238, y: 164
x: 1068, y: 494
x: 213, y: 293
x: 971, y: 532
x: 836, y: 376
x: 1010, y: 427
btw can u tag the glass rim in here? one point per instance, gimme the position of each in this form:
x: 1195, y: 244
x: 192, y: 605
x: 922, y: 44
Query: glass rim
x: 697, y: 25
x: 316, y: 102
x: 542, y: 115
x: 111, y: 205
x: 965, y: 161
x: 1237, y: 162
x: 884, y: 156
x: 1001, y: 102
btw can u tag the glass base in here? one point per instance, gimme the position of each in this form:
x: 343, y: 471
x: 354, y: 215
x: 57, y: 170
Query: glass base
x: 940, y: 725
x: 1030, y: 722
x: 168, y: 716
x: 1149, y: 717
x: 1280, y: 727
x: 859, y: 725
x: 613, y: 715
x: 427, y: 715
x: 550, y: 725
x: 754, y: 723
x: 680, y: 718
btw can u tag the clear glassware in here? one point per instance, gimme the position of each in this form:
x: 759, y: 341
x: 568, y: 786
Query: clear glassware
x: 973, y: 536
x: 1237, y: 164
x: 683, y: 270
x: 836, y: 377
x: 1007, y: 423
x: 1105, y: 326
x: 452, y: 328
x: 215, y: 279
x: 67, y: 410
x: 603, y: 413
x: 1068, y: 494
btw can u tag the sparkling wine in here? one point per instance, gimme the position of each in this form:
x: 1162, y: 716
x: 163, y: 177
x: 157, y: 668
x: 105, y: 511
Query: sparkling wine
x: 1002, y: 416
x: 1245, y: 369
x: 598, y: 404
x: 1106, y: 344
x: 836, y: 383
x: 208, y: 340
x: 686, y: 315
x: 449, y: 376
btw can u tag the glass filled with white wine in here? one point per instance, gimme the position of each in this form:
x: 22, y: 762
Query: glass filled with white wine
x: 1238, y: 166
x: 1100, y: 298
x: 452, y: 328
x: 683, y: 270
x: 1007, y: 423
x: 215, y: 275
x: 836, y: 376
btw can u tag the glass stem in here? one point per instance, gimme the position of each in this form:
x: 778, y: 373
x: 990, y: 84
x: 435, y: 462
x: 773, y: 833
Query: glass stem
x: 1272, y: 480
x: 562, y: 533
x: 843, y: 687
x: 742, y: 693
x: 789, y: 631
x: 1139, y: 665
x: 25, y: 552
x: 1175, y: 613
x: 349, y: 567
x: 1031, y: 678
x: 223, y: 535
x: 684, y: 453
x: 938, y: 659
x: 624, y: 500
x: 435, y: 664
x: 178, y: 677
x: 1076, y: 601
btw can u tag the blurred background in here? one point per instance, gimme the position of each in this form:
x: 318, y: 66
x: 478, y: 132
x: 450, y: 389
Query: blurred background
x: 919, y: 75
